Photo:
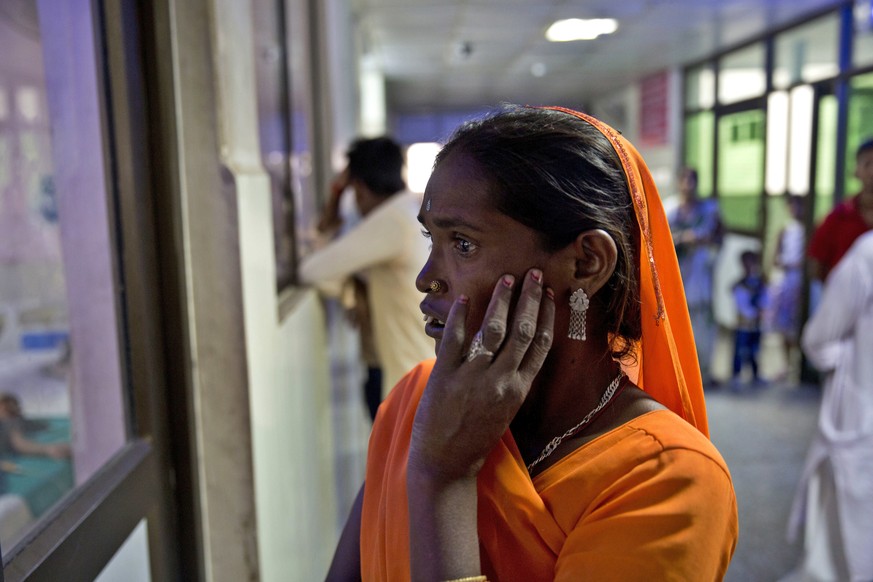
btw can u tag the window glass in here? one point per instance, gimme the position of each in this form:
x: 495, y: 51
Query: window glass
x: 699, y: 135
x: 862, y: 50
x: 807, y: 53
x: 700, y: 87
x: 741, y: 168
x: 802, y: 102
x: 859, y: 128
x: 778, y: 121
x: 826, y: 157
x: 271, y: 71
x: 302, y: 113
x: 742, y: 74
x: 61, y: 406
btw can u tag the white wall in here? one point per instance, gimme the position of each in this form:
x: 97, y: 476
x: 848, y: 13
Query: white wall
x: 294, y: 450
x: 289, y: 400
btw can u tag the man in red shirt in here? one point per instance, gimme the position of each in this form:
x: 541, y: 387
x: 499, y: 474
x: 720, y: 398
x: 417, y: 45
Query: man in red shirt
x: 849, y: 220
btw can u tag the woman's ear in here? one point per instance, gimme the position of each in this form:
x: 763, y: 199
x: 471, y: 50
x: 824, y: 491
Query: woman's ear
x: 596, y: 256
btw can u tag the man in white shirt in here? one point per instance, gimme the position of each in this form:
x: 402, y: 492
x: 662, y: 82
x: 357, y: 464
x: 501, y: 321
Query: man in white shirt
x: 835, y: 497
x: 385, y: 250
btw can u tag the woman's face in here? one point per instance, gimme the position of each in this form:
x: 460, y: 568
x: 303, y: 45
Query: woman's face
x: 473, y: 245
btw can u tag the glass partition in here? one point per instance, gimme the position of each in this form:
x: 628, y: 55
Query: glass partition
x: 859, y: 126
x: 302, y: 113
x: 62, y: 408
x: 862, y: 49
x: 741, y: 168
x: 271, y: 73
x: 699, y: 132
x: 807, y: 53
x: 802, y: 102
x: 778, y: 123
x: 700, y: 87
x: 826, y: 157
x: 742, y: 74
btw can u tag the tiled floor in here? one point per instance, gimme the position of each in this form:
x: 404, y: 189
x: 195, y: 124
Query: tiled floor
x: 762, y: 434
x: 350, y: 416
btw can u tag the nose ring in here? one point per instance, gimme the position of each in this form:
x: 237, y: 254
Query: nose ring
x: 434, y: 286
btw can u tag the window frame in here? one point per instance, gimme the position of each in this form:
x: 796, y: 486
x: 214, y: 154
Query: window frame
x: 147, y: 479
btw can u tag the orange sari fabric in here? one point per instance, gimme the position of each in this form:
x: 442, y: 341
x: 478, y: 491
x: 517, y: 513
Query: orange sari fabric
x: 651, y: 500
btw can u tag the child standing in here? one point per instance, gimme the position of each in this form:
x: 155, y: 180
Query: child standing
x: 750, y: 297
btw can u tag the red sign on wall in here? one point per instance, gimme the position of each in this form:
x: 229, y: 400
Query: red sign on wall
x: 654, y: 109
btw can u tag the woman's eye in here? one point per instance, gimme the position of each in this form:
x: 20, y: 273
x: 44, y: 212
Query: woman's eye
x: 464, y: 246
x: 425, y: 233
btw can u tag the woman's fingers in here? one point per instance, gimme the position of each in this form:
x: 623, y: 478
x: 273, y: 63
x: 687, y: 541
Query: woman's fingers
x: 454, y: 337
x: 523, y: 326
x: 521, y: 339
x: 542, y: 341
x: 494, y: 323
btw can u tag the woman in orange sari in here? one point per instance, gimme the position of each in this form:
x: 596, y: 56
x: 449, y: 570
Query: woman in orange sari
x: 561, y: 432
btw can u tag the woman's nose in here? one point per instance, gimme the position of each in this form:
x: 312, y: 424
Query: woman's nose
x: 425, y: 277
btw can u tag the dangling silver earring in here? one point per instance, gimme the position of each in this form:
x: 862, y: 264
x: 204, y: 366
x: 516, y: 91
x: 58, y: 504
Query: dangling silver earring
x: 578, y: 309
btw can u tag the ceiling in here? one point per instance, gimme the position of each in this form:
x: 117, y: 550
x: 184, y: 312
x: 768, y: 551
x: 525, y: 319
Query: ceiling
x: 467, y: 54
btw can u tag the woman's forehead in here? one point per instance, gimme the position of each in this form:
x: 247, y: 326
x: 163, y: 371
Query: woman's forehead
x: 457, y: 181
x: 459, y: 165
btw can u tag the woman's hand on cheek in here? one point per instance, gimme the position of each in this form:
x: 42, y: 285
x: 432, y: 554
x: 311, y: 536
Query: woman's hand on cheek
x: 472, y: 396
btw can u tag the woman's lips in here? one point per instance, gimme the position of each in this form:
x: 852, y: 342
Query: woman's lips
x: 433, y: 326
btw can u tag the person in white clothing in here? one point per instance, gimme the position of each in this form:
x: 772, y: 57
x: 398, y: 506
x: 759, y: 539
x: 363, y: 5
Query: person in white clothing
x: 784, y: 313
x: 384, y: 252
x: 835, y: 497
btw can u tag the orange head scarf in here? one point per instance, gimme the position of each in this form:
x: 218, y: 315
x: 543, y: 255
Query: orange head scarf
x: 666, y: 358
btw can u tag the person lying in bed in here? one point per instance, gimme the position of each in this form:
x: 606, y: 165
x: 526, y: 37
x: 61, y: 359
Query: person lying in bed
x: 14, y: 429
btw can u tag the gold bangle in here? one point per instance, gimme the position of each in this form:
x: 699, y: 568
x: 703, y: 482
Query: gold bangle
x: 479, y: 578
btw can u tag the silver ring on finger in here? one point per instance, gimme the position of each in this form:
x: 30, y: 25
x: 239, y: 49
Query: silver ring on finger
x: 477, y: 348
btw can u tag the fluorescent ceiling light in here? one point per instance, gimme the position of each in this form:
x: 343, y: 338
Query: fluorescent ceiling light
x: 579, y: 29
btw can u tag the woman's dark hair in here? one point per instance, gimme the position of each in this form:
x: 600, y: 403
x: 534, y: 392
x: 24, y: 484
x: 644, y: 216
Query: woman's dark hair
x: 560, y: 176
x: 378, y: 163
